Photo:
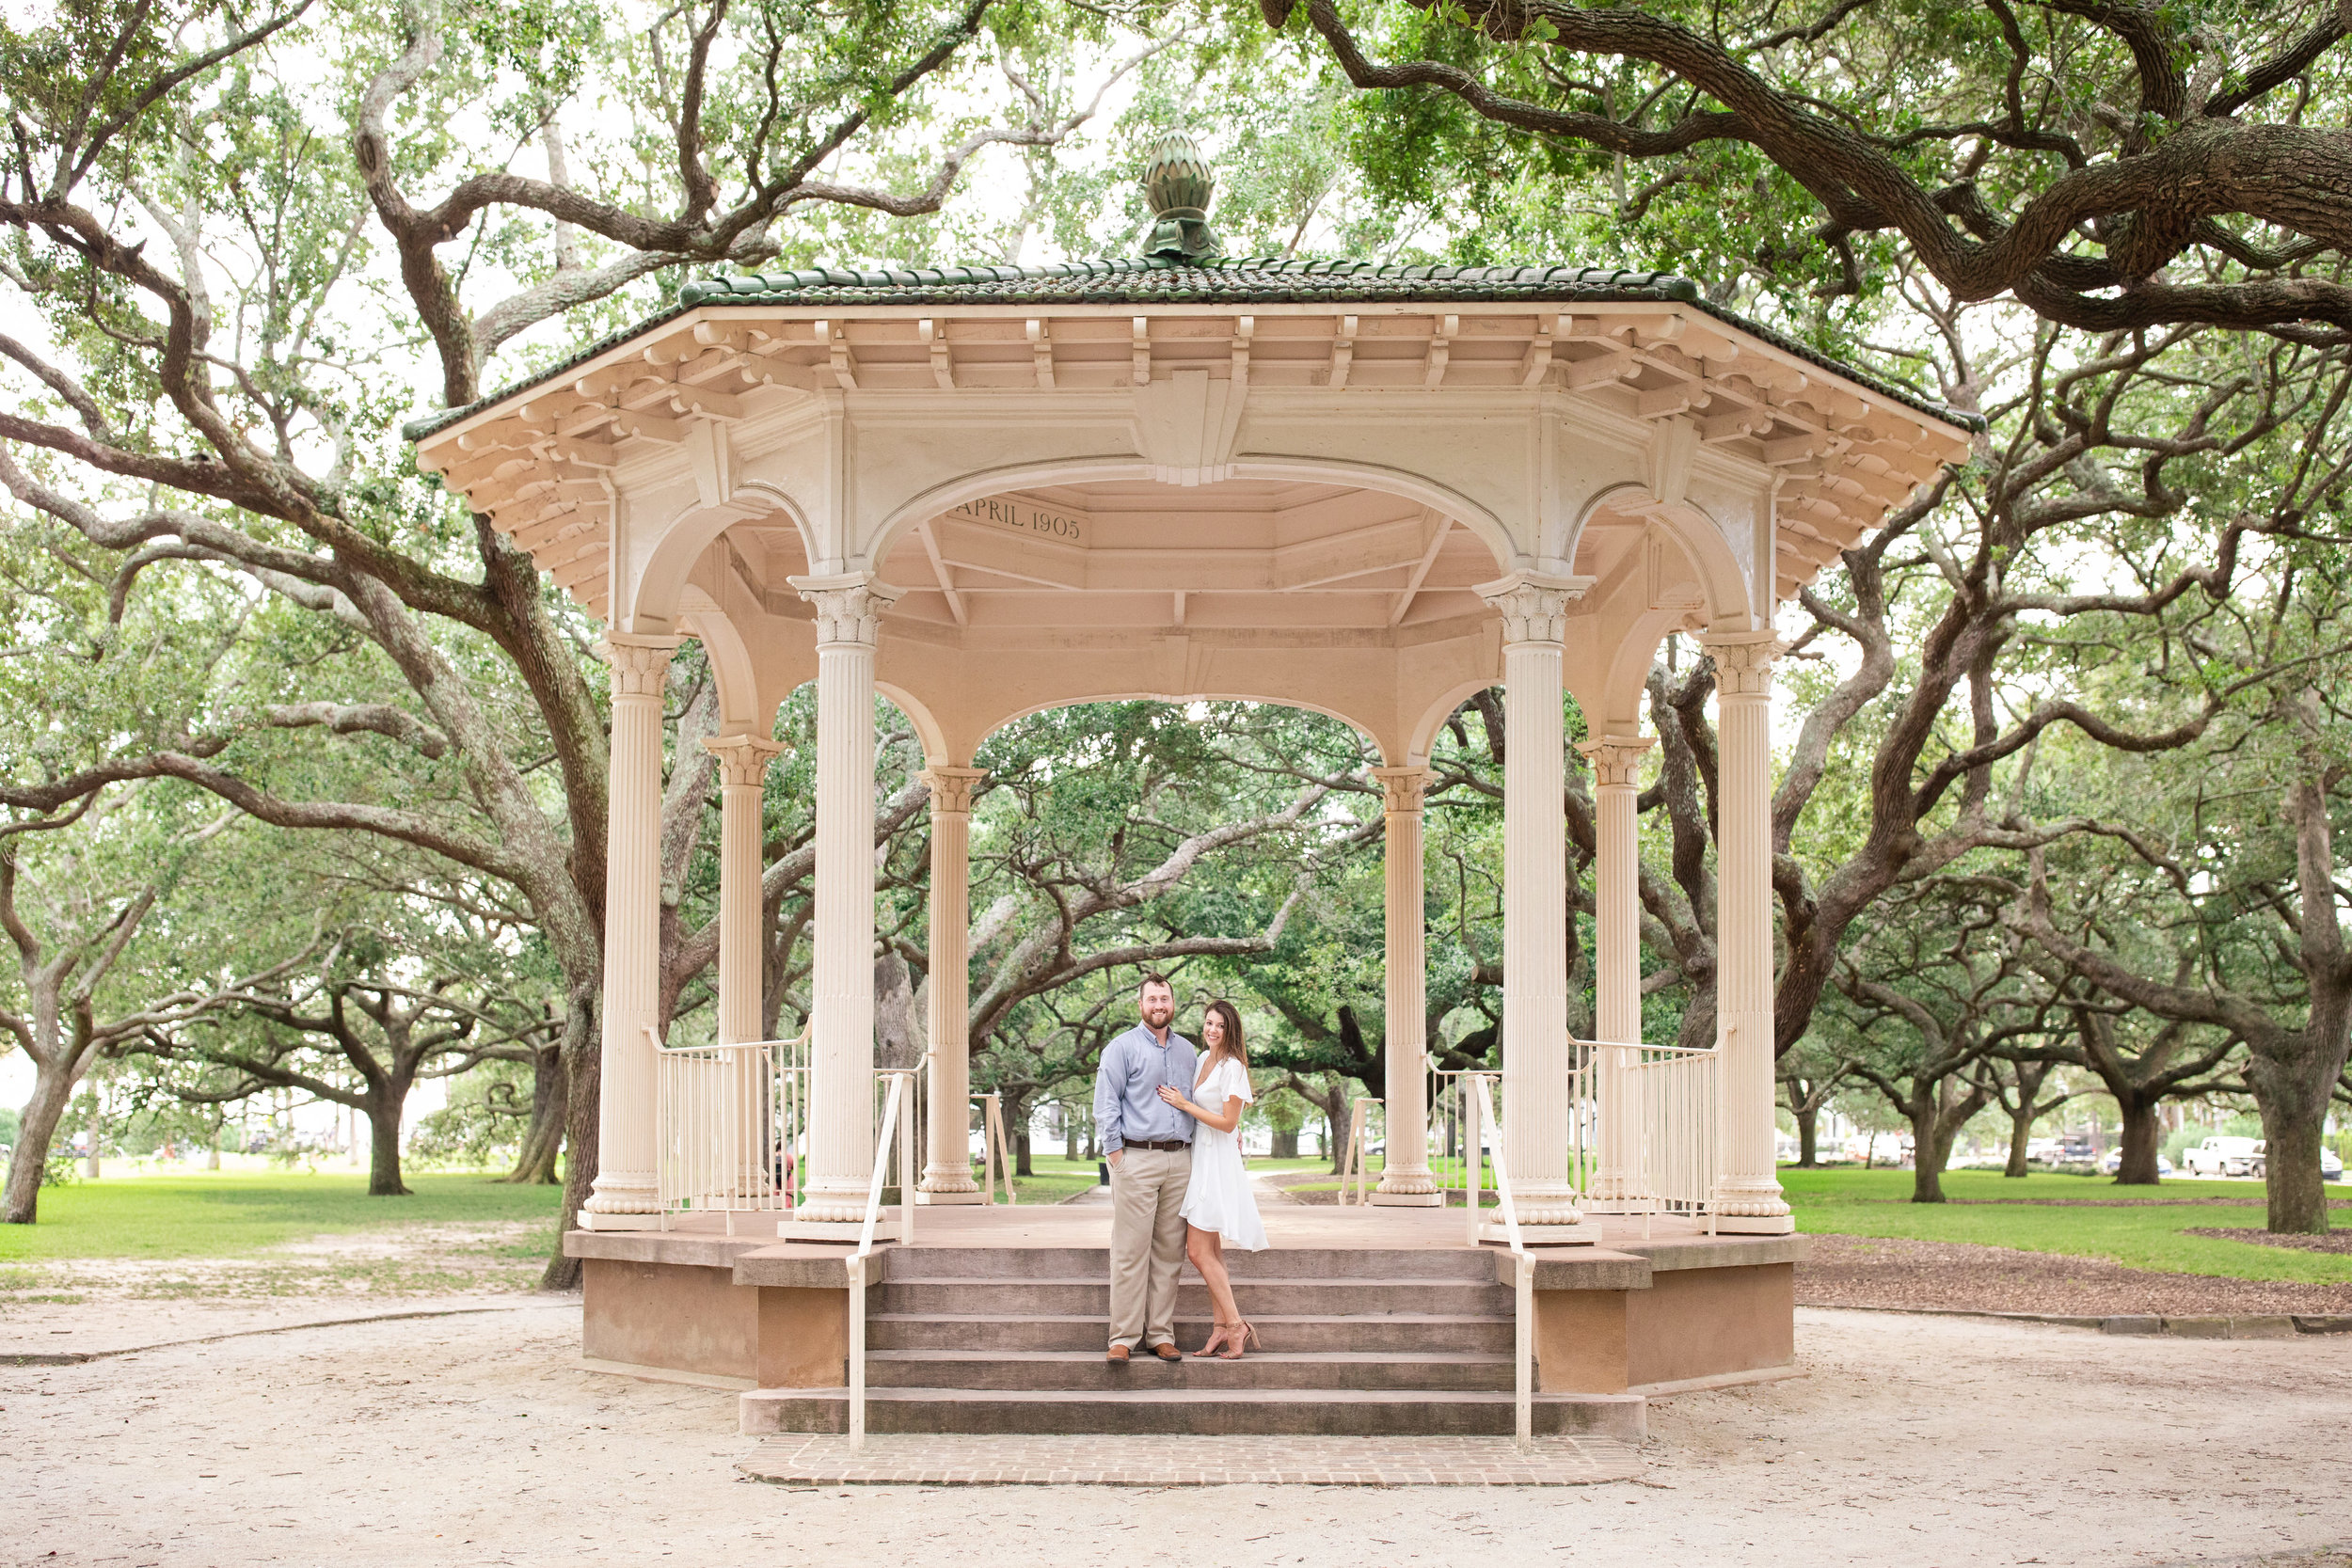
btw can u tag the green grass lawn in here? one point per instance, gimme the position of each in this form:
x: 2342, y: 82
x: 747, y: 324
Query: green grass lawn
x: 2083, y: 1216
x: 236, y: 1214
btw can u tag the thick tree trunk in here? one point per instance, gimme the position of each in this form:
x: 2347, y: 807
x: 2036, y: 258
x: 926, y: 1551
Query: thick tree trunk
x: 1930, y: 1147
x: 1808, y: 1137
x: 36, y: 1131
x: 581, y: 1101
x: 384, y: 1113
x: 2298, y: 1200
x: 1284, y: 1144
x: 2137, y: 1167
x: 2020, y: 1135
x: 1935, y: 1124
x: 544, y: 1143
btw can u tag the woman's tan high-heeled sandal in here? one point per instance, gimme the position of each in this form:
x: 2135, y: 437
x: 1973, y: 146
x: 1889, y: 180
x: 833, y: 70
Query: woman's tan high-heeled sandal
x: 1236, y: 1342
x: 1216, y: 1334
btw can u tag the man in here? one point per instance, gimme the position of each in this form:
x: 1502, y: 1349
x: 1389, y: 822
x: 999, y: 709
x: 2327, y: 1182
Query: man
x: 1148, y: 1144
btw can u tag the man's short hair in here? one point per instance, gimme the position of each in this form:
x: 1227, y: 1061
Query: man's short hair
x: 1151, y: 980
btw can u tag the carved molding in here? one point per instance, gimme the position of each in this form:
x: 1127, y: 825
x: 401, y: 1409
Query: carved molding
x: 849, y: 607
x: 1534, y: 605
x: 639, y: 664
x: 952, y: 788
x: 1616, y: 759
x: 1743, y: 663
x: 1403, y: 788
x: 743, y: 759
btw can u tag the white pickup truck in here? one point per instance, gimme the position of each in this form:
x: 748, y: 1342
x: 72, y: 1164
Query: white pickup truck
x: 2219, y: 1156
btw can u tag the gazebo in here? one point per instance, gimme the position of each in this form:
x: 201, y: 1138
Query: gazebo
x: 1365, y: 490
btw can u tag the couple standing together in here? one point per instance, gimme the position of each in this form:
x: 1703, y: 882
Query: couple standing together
x: 1170, y: 1128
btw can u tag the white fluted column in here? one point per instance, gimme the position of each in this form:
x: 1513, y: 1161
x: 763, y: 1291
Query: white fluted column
x: 1535, y: 1054
x: 1747, y: 1193
x: 1619, y: 1185
x: 626, y: 1195
x: 841, y: 1050
x: 743, y: 761
x: 948, y: 1161
x: 1406, y: 1181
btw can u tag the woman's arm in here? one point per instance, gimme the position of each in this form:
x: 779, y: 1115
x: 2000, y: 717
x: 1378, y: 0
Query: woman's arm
x: 1226, y: 1123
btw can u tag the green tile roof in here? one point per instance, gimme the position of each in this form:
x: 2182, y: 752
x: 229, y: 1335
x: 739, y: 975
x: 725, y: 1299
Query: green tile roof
x: 1146, y: 281
x: 1151, y: 280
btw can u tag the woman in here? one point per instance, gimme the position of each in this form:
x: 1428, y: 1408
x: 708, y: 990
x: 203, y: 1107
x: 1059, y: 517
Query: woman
x: 1219, y: 1205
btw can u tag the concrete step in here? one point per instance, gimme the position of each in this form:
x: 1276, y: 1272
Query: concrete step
x: 1094, y: 1263
x: 1186, y: 1411
x: 1273, y: 1297
x: 1086, y: 1372
x: 1411, y: 1333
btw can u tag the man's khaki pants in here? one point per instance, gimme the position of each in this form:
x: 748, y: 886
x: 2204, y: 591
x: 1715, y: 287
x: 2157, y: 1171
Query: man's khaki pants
x: 1147, y: 1244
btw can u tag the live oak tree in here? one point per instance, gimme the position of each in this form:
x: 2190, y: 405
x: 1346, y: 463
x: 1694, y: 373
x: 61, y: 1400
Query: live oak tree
x: 1938, y: 984
x: 344, y: 1032
x: 2112, y: 167
x: 77, y: 893
x: 2013, y: 1082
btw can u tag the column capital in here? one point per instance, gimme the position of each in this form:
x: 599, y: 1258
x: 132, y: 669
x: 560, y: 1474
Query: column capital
x: 1534, y: 605
x: 1403, y: 788
x: 1743, y: 661
x: 743, y: 759
x: 951, y: 788
x: 1616, y: 759
x: 849, y: 606
x: 640, y: 663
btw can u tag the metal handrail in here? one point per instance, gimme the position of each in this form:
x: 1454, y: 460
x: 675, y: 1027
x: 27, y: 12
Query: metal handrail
x: 1352, y: 1158
x: 1482, y: 1109
x: 855, y: 1265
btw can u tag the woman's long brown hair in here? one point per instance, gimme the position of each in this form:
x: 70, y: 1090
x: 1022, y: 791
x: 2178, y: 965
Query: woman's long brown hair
x: 1224, y: 1013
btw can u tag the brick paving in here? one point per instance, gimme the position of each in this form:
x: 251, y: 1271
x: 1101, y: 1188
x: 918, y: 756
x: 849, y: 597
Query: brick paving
x: 1014, y: 1460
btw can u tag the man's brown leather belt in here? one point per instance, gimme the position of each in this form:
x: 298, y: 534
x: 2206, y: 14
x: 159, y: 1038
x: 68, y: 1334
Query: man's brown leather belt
x: 1168, y: 1148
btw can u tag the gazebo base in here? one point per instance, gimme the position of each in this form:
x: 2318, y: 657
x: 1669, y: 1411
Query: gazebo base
x: 1368, y: 1321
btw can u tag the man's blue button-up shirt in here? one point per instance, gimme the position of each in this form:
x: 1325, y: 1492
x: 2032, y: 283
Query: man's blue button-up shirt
x: 1127, y: 1104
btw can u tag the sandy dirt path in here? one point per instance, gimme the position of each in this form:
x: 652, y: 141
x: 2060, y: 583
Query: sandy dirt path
x: 1919, y: 1441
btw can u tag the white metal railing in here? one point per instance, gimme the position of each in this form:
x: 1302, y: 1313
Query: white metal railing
x: 994, y: 1152
x: 1664, y: 1119
x: 897, y: 1126
x: 1641, y: 1114
x: 730, y: 1121
x: 1352, y: 1161
x: 1482, y: 1128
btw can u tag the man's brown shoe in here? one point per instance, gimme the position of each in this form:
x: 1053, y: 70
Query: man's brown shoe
x: 1168, y: 1353
x: 1115, y: 1356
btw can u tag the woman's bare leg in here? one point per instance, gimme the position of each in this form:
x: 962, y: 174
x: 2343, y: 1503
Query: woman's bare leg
x: 1206, y: 1249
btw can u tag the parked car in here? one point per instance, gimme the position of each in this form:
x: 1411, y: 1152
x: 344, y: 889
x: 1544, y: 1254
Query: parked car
x: 2114, y: 1162
x: 2222, y: 1156
x: 2330, y: 1168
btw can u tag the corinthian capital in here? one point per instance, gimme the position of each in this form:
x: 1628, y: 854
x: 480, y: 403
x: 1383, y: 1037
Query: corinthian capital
x: 1616, y: 759
x: 951, y: 789
x: 848, y: 605
x: 1403, y: 787
x: 1534, y: 605
x: 742, y: 758
x: 1744, y: 663
x: 639, y: 664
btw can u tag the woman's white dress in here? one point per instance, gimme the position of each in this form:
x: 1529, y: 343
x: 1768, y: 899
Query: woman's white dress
x: 1218, y: 1197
